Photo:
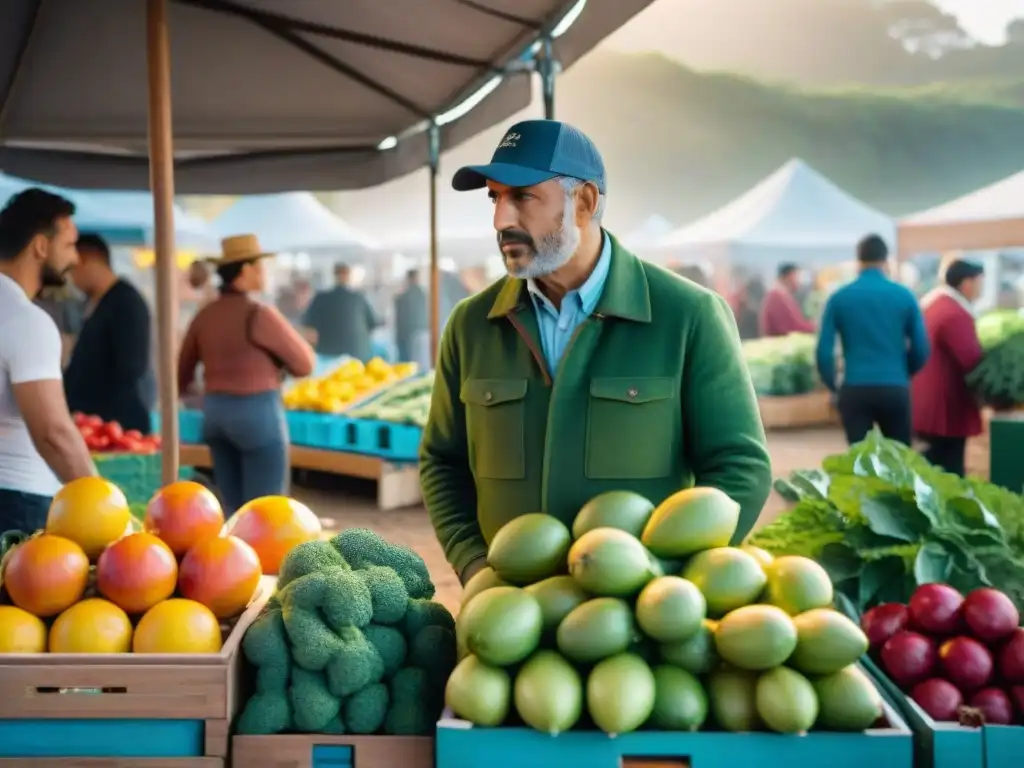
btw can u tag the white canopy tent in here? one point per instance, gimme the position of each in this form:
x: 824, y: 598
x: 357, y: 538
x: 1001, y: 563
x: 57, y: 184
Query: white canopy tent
x: 648, y: 233
x: 291, y: 221
x: 987, y: 219
x: 795, y: 214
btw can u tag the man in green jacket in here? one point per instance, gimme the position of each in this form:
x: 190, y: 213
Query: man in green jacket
x: 584, y: 370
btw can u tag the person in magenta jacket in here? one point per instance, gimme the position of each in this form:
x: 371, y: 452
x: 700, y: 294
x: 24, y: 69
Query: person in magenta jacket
x: 946, y: 412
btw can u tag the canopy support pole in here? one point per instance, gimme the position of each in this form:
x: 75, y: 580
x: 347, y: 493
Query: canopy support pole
x: 434, y: 136
x: 161, y: 180
x: 547, y: 67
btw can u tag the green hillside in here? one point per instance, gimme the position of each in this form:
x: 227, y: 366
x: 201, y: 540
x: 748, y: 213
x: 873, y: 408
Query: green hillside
x: 680, y: 142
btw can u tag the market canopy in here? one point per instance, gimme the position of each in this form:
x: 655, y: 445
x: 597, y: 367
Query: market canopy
x: 987, y: 219
x: 290, y: 221
x: 653, y: 229
x: 273, y: 95
x: 795, y: 214
x: 122, y: 218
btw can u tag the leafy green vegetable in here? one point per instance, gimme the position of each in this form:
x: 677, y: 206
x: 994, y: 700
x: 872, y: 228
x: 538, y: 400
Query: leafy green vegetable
x: 782, y: 365
x: 999, y: 377
x: 881, y: 521
x: 997, y: 326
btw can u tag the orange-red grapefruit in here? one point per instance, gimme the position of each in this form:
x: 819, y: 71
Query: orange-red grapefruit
x: 182, y: 514
x: 221, y: 573
x: 46, y: 575
x: 137, y: 572
x: 273, y: 525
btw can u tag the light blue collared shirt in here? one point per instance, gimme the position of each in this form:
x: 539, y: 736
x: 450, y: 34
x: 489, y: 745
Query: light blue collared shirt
x: 558, y: 325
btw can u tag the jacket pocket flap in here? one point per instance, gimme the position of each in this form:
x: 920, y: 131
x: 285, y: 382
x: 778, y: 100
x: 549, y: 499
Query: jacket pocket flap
x: 488, y: 392
x: 634, y: 390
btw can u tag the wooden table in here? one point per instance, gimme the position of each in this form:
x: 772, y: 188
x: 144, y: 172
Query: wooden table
x: 398, y: 485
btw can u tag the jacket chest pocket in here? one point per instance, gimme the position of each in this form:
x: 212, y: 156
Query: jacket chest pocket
x: 631, y: 428
x: 495, y: 416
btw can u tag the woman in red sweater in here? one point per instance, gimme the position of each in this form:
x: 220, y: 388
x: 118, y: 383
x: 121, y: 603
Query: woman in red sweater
x: 946, y: 412
x: 244, y: 347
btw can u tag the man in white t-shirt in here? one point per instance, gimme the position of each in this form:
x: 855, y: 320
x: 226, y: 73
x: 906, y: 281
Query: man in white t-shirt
x: 40, y: 447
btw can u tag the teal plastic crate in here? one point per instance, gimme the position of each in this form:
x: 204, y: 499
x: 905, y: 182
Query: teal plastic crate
x: 462, y: 745
x: 937, y: 745
x: 138, y: 476
x: 1003, y: 746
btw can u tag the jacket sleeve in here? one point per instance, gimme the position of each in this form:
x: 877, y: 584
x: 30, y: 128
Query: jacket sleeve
x: 825, y: 354
x: 725, y: 440
x: 919, y: 347
x: 272, y: 332
x: 960, y: 336
x: 449, y: 492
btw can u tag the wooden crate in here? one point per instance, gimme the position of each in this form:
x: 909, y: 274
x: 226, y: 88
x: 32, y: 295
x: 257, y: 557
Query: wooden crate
x: 120, y: 710
x: 814, y: 409
x: 311, y: 750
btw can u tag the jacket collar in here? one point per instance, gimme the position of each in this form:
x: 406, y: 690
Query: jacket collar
x: 626, y: 294
x: 953, y: 293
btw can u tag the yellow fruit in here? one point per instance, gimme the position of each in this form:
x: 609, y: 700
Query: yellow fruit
x: 90, y: 511
x: 20, y: 631
x: 364, y: 383
x: 403, y: 370
x: 178, y: 626
x: 91, y: 626
x: 377, y: 367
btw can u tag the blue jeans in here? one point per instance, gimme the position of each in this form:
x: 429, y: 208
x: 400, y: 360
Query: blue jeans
x: 248, y: 440
x: 21, y: 511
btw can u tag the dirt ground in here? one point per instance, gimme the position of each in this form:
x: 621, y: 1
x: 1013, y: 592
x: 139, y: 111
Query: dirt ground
x: 342, y: 504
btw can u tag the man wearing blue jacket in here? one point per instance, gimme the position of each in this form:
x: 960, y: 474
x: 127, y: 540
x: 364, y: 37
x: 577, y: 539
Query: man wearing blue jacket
x: 884, y: 343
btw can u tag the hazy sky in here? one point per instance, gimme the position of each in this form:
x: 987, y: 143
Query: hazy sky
x: 984, y: 19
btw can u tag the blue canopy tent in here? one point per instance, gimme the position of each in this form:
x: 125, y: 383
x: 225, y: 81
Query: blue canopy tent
x: 122, y: 218
x: 290, y: 221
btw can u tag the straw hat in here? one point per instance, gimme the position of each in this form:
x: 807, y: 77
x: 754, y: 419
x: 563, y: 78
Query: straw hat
x: 240, y: 248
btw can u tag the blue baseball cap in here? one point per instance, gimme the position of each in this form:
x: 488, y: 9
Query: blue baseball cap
x: 533, y: 151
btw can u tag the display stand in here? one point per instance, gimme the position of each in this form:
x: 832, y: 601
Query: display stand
x: 813, y: 409
x: 312, y: 750
x: 124, y: 709
x: 398, y: 485
x: 1006, y: 436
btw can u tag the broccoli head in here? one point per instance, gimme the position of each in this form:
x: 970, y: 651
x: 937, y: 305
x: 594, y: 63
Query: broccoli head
x: 347, y: 599
x: 425, y: 613
x: 388, y: 592
x: 308, y: 557
x: 355, y: 665
x: 433, y: 650
x: 415, y: 704
x: 265, y: 714
x: 313, y: 642
x: 265, y: 642
x: 365, y: 710
x: 390, y: 644
x: 362, y: 548
x: 274, y: 678
x: 313, y: 706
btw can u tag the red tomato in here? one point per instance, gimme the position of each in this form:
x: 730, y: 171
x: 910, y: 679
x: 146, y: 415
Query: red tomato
x: 93, y: 421
x: 133, y: 434
x: 79, y: 418
x: 87, y: 432
x: 114, y: 431
x: 100, y: 443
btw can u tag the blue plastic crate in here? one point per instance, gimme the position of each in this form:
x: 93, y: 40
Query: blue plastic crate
x: 107, y: 738
x: 461, y: 745
x: 190, y: 425
x: 325, y: 431
x: 937, y: 745
x: 1004, y: 745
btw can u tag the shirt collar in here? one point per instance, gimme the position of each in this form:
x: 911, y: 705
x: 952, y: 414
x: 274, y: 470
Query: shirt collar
x: 10, y: 284
x: 589, y: 293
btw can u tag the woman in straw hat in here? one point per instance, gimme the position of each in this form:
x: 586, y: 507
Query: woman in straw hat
x: 245, y: 347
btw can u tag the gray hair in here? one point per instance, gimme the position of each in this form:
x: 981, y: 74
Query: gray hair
x: 570, y: 185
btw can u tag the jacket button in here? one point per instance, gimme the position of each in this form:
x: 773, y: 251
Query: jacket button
x: 488, y: 396
x: 632, y: 392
